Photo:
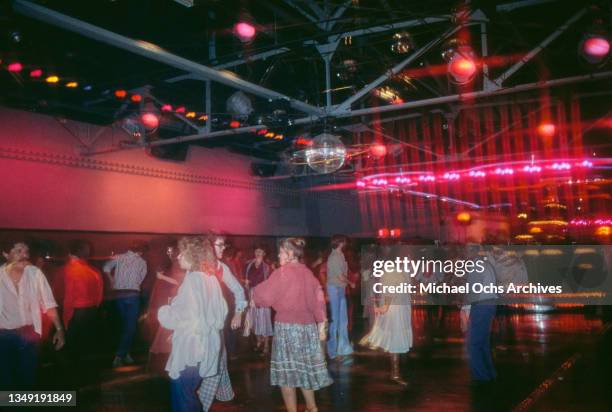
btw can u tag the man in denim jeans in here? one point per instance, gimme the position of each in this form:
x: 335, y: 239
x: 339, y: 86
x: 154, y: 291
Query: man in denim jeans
x: 130, y: 270
x: 337, y: 280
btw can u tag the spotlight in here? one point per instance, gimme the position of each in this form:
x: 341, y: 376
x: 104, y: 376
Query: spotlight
x: 150, y: 121
x: 181, y: 109
x: 52, y: 79
x: 595, y: 49
x: 36, y: 73
x: 120, y: 94
x: 461, y: 63
x: 15, y: 67
x: 72, y: 85
x: 547, y: 130
x: 166, y: 108
x: 234, y: 124
x: 379, y: 150
x: 245, y: 31
x: 464, y: 217
x: 136, y: 98
x: 402, y: 43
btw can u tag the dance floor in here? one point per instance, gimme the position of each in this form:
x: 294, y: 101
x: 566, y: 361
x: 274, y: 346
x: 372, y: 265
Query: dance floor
x: 545, y: 361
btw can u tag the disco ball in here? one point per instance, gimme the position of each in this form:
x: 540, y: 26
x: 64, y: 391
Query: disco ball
x: 326, y: 154
x: 239, y: 105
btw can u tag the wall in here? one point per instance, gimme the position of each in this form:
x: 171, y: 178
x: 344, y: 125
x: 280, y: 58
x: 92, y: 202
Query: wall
x: 46, y: 184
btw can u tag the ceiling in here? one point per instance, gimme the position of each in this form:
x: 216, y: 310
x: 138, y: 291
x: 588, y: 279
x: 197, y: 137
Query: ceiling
x: 295, y: 37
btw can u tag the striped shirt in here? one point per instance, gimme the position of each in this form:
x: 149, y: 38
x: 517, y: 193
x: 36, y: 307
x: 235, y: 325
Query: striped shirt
x: 130, y: 271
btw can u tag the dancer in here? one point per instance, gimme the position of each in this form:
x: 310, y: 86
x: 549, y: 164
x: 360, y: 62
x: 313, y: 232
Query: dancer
x: 24, y: 295
x: 196, y: 316
x: 337, y: 280
x: 83, y: 293
x: 299, y: 328
x: 482, y: 312
x: 256, y: 272
x: 169, y: 277
x: 130, y: 270
x: 219, y: 386
x: 392, y: 330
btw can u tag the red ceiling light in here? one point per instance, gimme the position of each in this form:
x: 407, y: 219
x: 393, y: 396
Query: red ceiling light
x: 150, y: 121
x: 181, y: 109
x: 15, y: 67
x: 166, y: 108
x: 245, y: 31
x: 547, y: 130
x: 36, y: 73
x: 120, y: 94
x: 136, y: 98
x: 379, y: 150
x: 234, y: 124
x: 462, y: 69
x: 461, y: 60
x: 383, y: 233
x: 595, y: 49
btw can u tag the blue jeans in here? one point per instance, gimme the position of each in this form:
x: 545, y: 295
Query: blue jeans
x: 479, y: 342
x: 18, y: 358
x: 183, y: 391
x: 128, y: 308
x: 338, y: 343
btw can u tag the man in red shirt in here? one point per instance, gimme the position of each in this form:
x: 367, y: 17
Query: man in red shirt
x: 83, y: 291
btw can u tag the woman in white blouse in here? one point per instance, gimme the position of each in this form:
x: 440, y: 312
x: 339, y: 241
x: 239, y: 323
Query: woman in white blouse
x: 196, y: 316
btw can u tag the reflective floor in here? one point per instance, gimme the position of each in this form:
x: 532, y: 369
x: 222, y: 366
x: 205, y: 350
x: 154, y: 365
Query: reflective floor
x: 545, y: 361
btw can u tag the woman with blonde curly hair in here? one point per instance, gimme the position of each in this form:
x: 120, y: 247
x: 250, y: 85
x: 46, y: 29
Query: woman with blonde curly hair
x: 196, y: 316
x: 299, y: 328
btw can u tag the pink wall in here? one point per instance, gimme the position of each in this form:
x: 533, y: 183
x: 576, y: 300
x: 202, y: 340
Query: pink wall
x: 46, y: 184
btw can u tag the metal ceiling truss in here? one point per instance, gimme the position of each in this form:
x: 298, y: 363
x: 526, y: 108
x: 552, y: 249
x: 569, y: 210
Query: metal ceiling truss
x: 326, y: 49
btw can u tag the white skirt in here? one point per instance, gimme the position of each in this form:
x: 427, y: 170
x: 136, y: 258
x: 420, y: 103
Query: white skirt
x: 392, y: 331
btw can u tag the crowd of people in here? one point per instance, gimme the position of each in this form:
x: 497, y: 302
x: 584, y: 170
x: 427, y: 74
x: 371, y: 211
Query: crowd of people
x: 299, y: 312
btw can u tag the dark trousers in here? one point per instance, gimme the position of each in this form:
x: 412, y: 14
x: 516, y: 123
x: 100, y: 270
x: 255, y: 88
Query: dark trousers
x: 479, y: 342
x: 128, y: 308
x: 81, y: 340
x: 183, y: 391
x: 18, y: 358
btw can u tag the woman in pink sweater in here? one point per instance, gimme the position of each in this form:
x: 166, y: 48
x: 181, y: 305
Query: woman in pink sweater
x: 297, y: 297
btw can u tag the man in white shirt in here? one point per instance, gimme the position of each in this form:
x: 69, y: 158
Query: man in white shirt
x: 130, y: 270
x: 24, y: 295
